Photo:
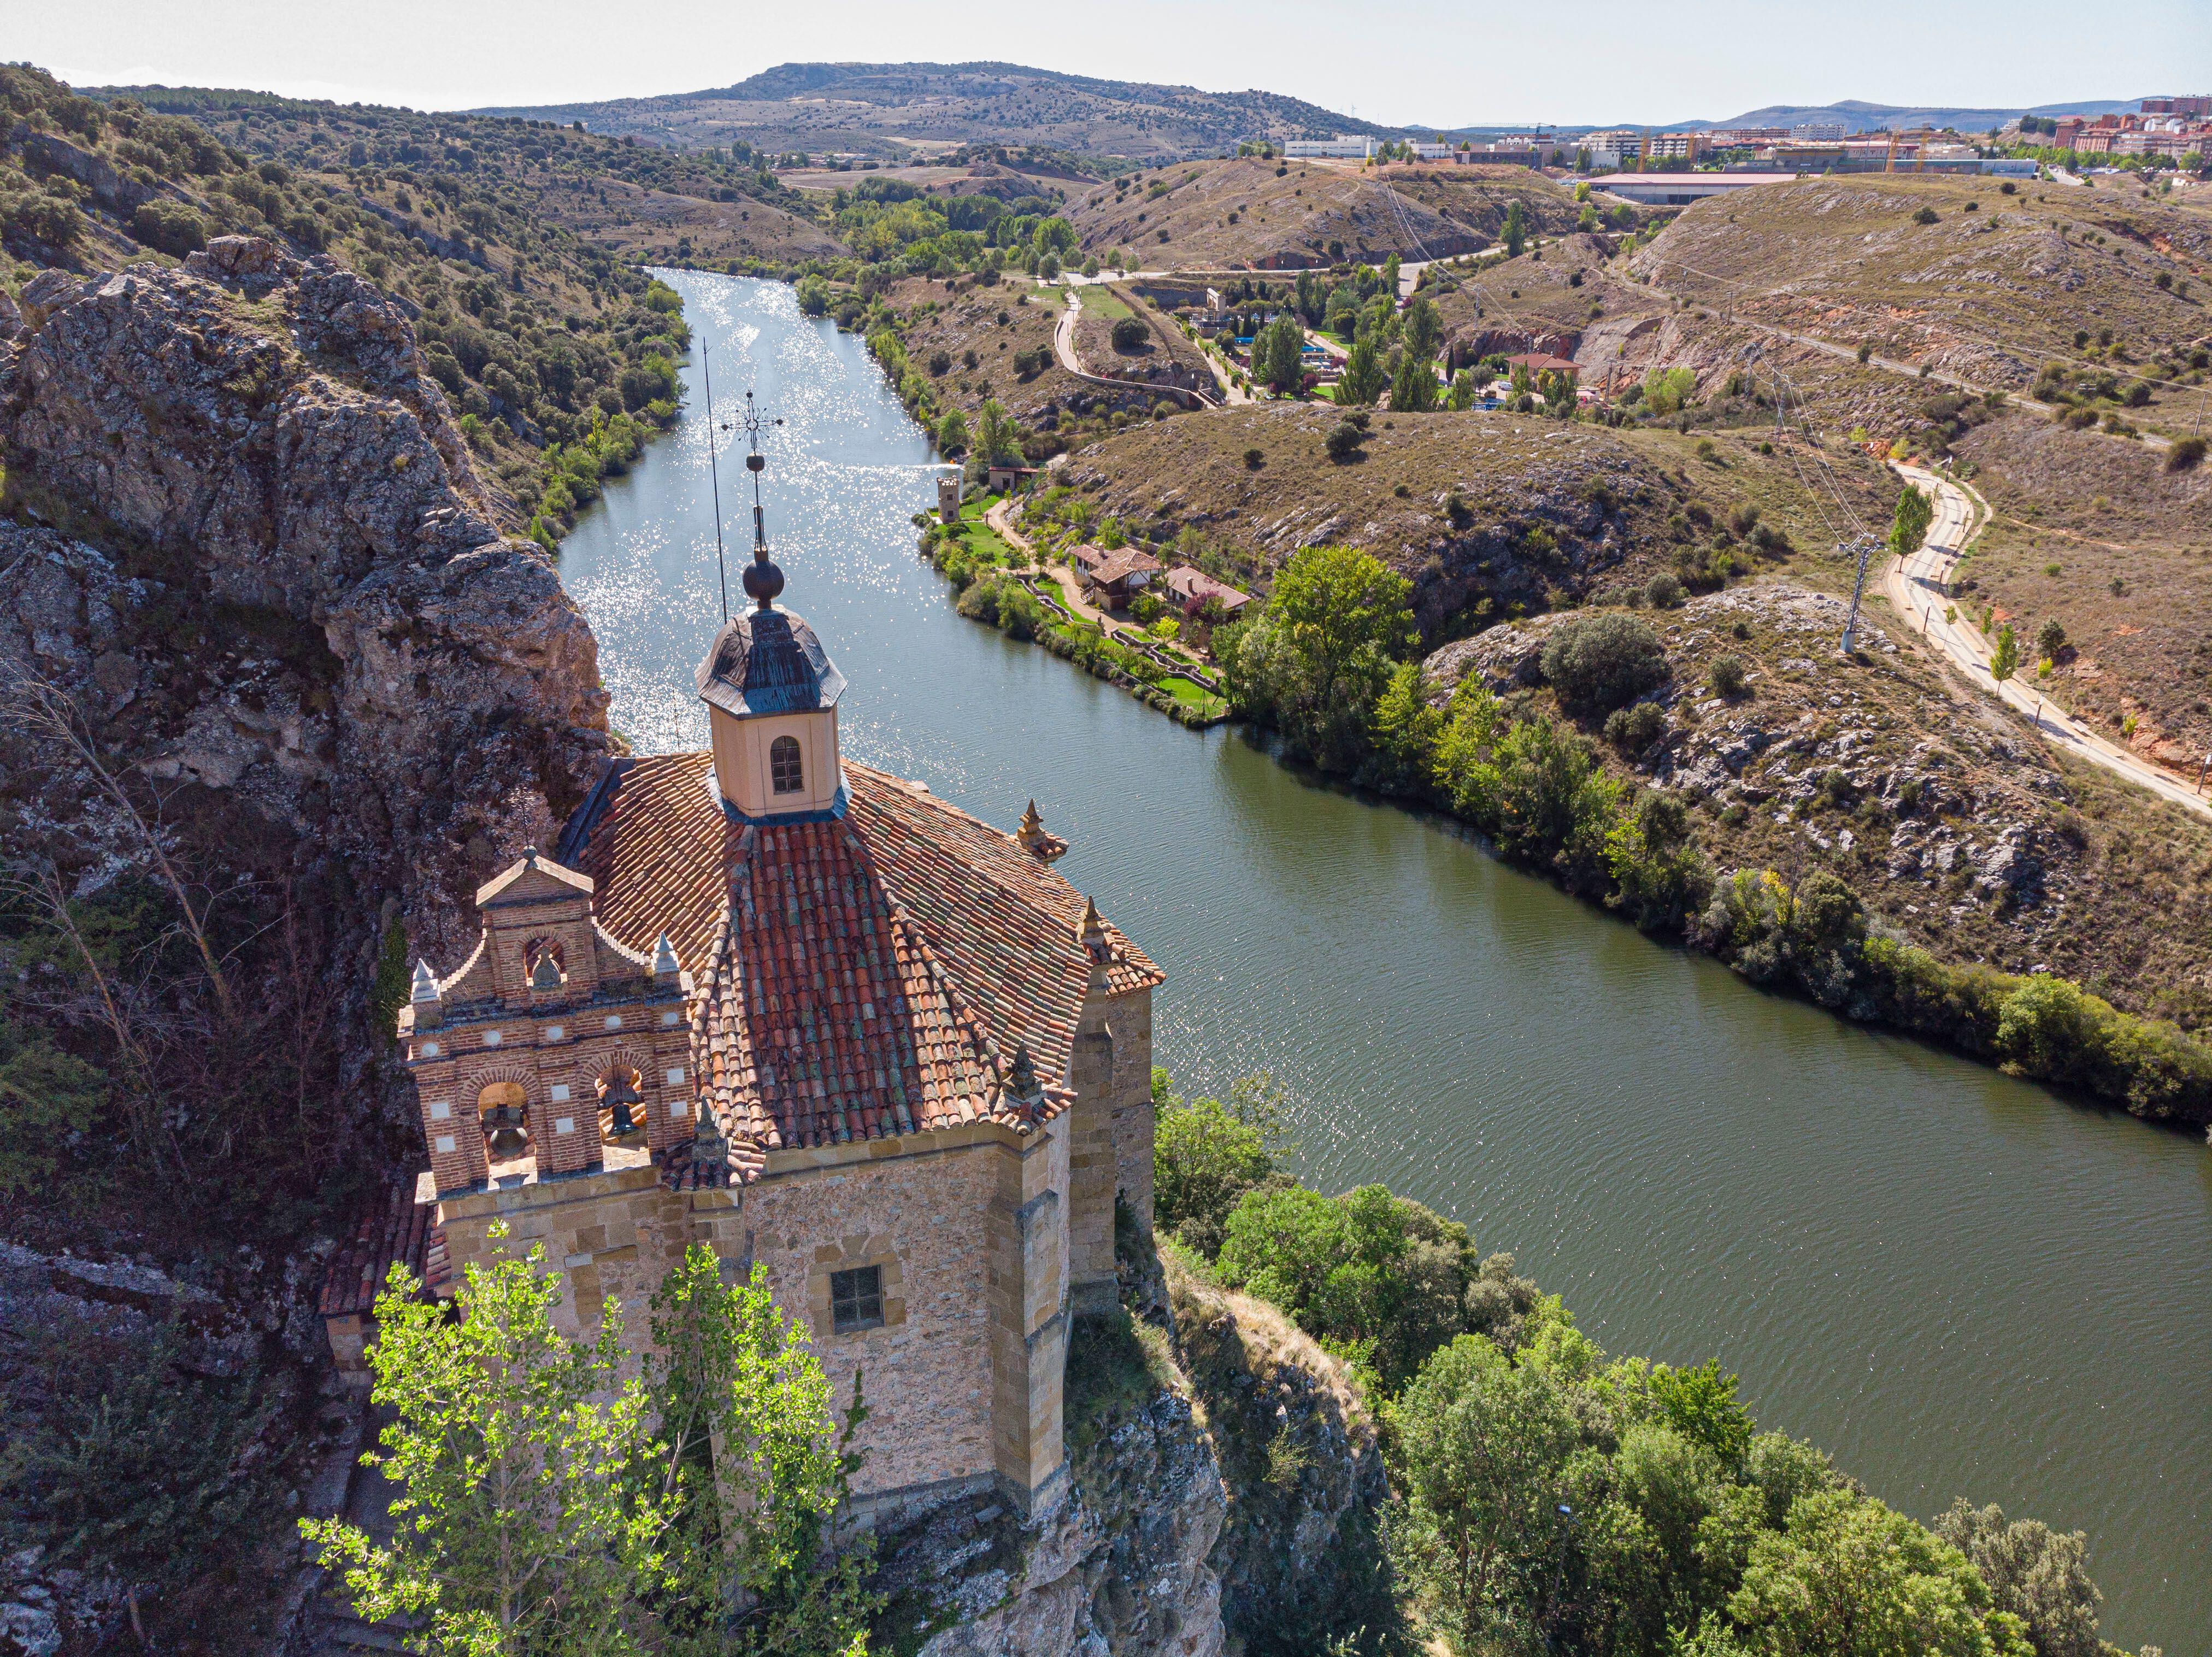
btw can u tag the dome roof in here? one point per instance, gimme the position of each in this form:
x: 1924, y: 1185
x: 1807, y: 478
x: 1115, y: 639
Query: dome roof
x: 769, y: 662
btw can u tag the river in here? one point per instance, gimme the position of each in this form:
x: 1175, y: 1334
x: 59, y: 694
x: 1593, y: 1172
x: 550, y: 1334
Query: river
x: 1954, y: 1281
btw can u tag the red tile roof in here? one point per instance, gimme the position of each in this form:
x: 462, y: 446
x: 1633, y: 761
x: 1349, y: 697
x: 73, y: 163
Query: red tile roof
x: 394, y: 1228
x: 1106, y: 567
x: 1196, y: 586
x: 860, y: 977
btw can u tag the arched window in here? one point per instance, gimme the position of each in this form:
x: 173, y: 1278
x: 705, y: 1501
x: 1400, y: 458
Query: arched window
x: 785, y: 772
x: 500, y: 1108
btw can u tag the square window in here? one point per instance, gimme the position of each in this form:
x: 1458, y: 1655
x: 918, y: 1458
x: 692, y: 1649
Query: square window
x: 856, y: 1299
x: 441, y: 1109
x: 445, y: 1141
x: 676, y: 1078
x: 559, y: 1092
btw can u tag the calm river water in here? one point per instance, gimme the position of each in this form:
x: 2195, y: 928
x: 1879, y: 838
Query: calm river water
x: 1956, y: 1282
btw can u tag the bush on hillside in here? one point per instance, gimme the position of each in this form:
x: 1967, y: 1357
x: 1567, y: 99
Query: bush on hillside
x: 1598, y: 663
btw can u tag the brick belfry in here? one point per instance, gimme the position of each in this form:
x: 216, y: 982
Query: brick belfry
x: 812, y: 1016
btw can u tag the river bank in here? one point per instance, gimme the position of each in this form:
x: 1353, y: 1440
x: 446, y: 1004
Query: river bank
x: 1700, y: 1169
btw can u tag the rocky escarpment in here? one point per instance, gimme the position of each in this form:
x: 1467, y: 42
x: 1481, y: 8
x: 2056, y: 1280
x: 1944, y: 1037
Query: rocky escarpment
x: 269, y: 568
x: 1960, y: 830
x: 1225, y: 1486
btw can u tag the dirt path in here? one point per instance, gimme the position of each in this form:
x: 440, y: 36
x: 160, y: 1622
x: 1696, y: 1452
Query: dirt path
x: 1916, y: 586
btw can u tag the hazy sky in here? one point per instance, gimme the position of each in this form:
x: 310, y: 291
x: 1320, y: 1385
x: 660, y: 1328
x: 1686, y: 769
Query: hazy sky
x: 1436, y: 62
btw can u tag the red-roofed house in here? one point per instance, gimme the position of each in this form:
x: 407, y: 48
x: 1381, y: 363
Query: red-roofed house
x: 811, y: 1016
x: 1115, y: 576
x: 1194, y: 589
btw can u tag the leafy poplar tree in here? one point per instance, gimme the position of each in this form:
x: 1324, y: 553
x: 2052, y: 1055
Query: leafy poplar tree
x: 2005, y: 658
x: 527, y: 1521
x: 1276, y: 355
x: 1909, y: 526
x: 997, y: 438
x: 1516, y: 231
x: 753, y: 1476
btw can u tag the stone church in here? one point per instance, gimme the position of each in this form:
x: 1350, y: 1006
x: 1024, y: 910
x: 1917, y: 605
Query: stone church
x: 811, y: 1015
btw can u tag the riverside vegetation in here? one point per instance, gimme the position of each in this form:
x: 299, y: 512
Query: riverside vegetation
x: 1329, y: 665
x: 1548, y: 1497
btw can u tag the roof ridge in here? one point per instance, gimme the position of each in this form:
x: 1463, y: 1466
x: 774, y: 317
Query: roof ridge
x: 956, y: 995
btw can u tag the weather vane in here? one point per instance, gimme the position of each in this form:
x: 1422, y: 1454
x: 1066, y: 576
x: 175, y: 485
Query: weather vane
x: 754, y: 461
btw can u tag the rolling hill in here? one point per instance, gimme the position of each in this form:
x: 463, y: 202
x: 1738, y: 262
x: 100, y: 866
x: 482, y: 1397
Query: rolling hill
x: 899, y: 109
x: 1855, y: 116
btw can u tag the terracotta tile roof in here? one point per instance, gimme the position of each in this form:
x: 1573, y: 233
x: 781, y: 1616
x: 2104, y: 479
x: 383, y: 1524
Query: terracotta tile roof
x: 860, y: 978
x: 1188, y: 585
x: 1106, y: 567
x: 394, y: 1226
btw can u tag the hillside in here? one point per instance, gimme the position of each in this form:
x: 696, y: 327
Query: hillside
x: 2099, y: 536
x: 617, y: 198
x: 1247, y: 213
x: 1489, y: 515
x: 1993, y: 288
x: 1855, y: 116
x: 901, y: 110
x: 1959, y: 831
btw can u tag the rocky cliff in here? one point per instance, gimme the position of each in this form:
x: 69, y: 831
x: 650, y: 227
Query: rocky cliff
x: 1225, y: 1486
x: 271, y: 570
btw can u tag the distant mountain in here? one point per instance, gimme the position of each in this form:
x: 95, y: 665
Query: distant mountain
x: 1856, y: 117
x: 895, y: 110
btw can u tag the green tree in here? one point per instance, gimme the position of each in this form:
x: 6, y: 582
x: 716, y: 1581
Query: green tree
x: 1596, y: 664
x: 998, y: 440
x: 2038, y: 1575
x: 146, y: 1472
x: 1848, y: 1577
x: 2050, y: 638
x: 952, y: 433
x: 1405, y: 730
x: 2004, y: 659
x: 528, y: 1521
x: 1910, y: 526
x: 1206, y: 1155
x: 750, y: 1517
x: 1277, y: 360
x: 1364, y: 378
x: 1480, y: 1449
x: 1313, y: 663
x: 1516, y: 231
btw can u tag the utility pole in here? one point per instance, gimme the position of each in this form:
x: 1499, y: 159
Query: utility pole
x: 1865, y: 545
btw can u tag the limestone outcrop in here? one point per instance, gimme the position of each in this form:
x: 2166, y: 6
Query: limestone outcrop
x: 274, y: 571
x: 1225, y: 1486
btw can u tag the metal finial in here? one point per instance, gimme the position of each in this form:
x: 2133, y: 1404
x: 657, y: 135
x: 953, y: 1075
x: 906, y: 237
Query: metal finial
x: 763, y: 581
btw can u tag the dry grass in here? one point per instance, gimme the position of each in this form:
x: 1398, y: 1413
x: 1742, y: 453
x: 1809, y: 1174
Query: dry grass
x: 961, y: 317
x: 2124, y: 904
x: 2096, y: 534
x: 1307, y: 213
x: 1103, y: 307
x: 654, y: 223
x: 1989, y: 295
x: 1546, y: 512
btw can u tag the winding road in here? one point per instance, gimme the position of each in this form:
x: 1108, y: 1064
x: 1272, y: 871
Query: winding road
x: 1918, y: 587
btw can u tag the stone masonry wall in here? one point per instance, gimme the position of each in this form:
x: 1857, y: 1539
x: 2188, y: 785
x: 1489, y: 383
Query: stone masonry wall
x: 926, y: 1373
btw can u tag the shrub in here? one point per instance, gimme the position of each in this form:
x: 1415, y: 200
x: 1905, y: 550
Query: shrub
x: 2186, y: 455
x: 1254, y: 459
x: 1727, y: 677
x: 1598, y: 663
x: 1664, y: 591
x: 1925, y: 215
x: 169, y: 226
x: 1130, y: 333
x: 1343, y: 443
x: 1634, y: 729
x: 1206, y: 1155
x: 2050, y: 638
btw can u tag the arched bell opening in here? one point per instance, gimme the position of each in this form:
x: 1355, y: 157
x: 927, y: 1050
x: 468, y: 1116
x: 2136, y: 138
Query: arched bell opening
x: 622, y: 1106
x: 502, y: 1109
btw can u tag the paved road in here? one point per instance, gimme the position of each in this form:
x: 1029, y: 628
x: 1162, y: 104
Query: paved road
x: 1916, y: 586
